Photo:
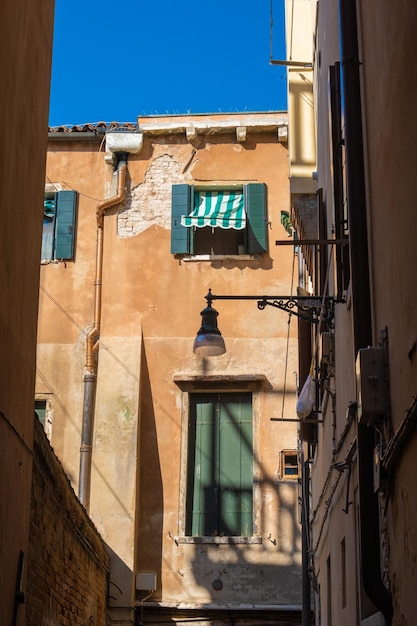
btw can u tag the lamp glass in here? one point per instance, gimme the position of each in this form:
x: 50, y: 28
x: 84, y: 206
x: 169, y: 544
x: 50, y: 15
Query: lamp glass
x: 209, y: 344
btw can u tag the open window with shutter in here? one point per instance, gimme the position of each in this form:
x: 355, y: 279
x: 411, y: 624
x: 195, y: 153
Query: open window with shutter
x: 219, y: 221
x: 59, y: 219
x: 220, y: 465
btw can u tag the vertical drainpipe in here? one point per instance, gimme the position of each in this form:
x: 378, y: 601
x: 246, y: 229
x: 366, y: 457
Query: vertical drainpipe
x: 92, y: 341
x: 362, y: 322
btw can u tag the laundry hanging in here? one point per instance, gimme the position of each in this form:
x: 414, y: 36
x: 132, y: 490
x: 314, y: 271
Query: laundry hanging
x: 221, y: 209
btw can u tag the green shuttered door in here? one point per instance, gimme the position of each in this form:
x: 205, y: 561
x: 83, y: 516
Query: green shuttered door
x: 220, y: 489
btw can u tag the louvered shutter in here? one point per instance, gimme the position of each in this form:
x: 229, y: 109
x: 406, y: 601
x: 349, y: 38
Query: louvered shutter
x: 65, y: 224
x: 257, y: 220
x: 235, y: 462
x: 203, y: 469
x: 181, y: 238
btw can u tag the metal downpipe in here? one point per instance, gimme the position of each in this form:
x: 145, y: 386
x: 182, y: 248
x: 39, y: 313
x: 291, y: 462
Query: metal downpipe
x: 92, y: 343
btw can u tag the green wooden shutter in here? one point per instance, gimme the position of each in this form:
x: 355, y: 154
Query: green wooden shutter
x: 205, y: 469
x: 181, y: 236
x: 236, y: 465
x: 65, y: 224
x: 257, y: 224
x: 220, y: 487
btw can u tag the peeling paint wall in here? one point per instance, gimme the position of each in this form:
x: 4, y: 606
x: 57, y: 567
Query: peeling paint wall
x: 149, y: 203
x: 151, y: 303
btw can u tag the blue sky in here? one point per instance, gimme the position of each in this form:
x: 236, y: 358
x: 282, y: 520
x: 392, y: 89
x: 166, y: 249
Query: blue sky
x: 114, y: 61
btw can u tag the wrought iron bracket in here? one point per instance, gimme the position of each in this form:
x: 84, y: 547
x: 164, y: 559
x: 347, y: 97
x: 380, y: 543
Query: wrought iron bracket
x: 309, y: 308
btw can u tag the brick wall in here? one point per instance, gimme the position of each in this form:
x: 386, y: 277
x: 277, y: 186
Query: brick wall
x: 67, y: 565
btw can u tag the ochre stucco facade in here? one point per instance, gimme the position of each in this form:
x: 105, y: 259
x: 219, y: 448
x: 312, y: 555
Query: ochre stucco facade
x: 150, y: 311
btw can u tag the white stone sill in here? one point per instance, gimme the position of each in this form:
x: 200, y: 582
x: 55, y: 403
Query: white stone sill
x: 219, y: 540
x: 221, y: 257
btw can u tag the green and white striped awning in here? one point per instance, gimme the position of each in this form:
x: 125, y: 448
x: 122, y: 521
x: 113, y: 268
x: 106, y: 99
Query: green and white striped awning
x: 221, y: 209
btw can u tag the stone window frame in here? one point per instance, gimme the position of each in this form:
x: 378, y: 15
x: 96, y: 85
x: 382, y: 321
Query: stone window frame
x: 220, y: 384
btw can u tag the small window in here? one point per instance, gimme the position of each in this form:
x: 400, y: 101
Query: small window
x: 219, y: 221
x: 289, y: 464
x: 40, y: 411
x: 220, y: 466
x: 58, y: 234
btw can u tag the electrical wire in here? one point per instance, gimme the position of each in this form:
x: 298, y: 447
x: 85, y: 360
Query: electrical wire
x: 85, y: 195
x: 87, y: 178
x: 95, y: 166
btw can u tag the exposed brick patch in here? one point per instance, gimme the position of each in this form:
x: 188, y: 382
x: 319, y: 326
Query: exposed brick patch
x: 150, y: 202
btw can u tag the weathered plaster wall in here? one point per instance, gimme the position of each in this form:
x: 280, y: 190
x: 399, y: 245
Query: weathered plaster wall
x: 151, y: 305
x: 115, y: 456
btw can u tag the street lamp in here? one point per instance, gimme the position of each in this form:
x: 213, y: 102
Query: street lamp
x: 209, y: 340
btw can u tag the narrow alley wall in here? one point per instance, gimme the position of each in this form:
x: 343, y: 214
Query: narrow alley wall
x: 67, y: 565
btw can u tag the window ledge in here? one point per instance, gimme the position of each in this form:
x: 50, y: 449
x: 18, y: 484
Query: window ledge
x: 221, y: 257
x: 190, y: 382
x: 219, y: 540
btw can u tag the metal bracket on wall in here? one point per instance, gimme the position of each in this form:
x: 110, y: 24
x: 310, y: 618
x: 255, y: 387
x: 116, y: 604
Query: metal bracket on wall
x: 309, y: 308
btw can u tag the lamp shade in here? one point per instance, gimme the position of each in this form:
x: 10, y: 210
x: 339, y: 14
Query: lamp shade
x: 209, y: 341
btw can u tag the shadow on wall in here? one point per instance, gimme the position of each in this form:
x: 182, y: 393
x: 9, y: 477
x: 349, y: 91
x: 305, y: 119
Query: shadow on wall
x: 121, y: 572
x: 266, y: 572
x: 234, y: 579
x: 150, y: 508
x: 265, y: 262
x: 260, y: 574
